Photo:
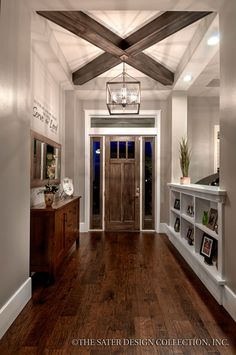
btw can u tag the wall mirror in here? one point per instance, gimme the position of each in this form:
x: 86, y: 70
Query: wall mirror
x: 45, y: 160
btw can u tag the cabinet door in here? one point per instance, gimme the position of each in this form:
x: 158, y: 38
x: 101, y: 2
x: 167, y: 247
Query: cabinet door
x: 59, y: 242
x: 69, y: 225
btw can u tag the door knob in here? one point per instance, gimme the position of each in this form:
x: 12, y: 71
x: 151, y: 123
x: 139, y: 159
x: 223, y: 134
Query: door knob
x: 137, y: 192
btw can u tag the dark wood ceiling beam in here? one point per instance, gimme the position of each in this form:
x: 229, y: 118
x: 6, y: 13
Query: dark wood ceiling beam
x: 85, y: 27
x: 116, y: 48
x: 98, y: 66
x: 106, y: 61
x: 151, y: 68
x: 160, y: 28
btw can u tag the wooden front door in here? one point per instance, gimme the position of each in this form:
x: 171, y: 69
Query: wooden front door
x: 122, y: 188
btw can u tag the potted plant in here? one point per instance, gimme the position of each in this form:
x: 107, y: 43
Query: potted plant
x: 49, y: 193
x: 185, y: 156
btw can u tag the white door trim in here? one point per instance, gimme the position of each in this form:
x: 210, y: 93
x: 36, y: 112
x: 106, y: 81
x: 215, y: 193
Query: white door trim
x: 156, y: 131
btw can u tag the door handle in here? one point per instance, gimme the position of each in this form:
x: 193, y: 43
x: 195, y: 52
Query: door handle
x: 137, y: 192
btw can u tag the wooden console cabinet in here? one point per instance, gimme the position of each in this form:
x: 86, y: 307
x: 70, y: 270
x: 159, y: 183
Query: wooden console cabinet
x: 53, y: 231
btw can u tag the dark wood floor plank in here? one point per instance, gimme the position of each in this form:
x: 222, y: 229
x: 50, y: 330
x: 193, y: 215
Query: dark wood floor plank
x: 121, y: 286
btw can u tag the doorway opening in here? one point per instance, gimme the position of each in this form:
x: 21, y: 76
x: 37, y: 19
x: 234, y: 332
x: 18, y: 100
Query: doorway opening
x: 125, y: 136
x: 129, y: 183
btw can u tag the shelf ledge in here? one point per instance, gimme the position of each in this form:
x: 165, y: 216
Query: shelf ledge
x: 214, y: 190
x: 207, y: 230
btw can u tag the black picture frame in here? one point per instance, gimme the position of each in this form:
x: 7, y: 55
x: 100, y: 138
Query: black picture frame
x: 177, y: 204
x: 177, y: 225
x: 190, y: 236
x: 190, y: 210
x: 207, y: 248
x: 212, y: 219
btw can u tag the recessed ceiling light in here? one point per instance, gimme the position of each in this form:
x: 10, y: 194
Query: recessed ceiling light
x: 187, y: 78
x: 213, y: 40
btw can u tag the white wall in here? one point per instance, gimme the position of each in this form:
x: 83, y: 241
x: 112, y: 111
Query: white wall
x: 45, y: 99
x: 48, y: 96
x: 203, y: 114
x: 14, y: 147
x: 228, y: 136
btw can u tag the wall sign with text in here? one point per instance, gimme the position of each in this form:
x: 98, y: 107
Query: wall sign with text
x: 42, y: 114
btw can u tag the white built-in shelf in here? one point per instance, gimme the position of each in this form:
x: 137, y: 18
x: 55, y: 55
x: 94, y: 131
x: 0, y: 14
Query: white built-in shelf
x: 187, y: 218
x: 210, y: 269
x: 176, y: 234
x: 175, y: 211
x: 207, y: 230
x: 201, y: 198
x: 212, y: 190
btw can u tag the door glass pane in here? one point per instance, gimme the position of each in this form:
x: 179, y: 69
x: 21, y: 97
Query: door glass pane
x: 96, y: 187
x: 113, y: 150
x: 131, y: 150
x: 122, y: 150
x: 96, y: 178
x: 148, y: 180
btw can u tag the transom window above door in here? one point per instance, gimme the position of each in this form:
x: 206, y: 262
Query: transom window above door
x: 122, y: 149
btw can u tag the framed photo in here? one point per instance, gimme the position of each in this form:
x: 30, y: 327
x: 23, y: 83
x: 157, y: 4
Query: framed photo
x: 189, y: 236
x: 190, y: 210
x: 207, y: 248
x: 212, y: 219
x: 177, y: 204
x: 177, y: 225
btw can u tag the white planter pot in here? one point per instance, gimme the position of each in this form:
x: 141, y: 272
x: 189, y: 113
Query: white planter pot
x: 185, y: 180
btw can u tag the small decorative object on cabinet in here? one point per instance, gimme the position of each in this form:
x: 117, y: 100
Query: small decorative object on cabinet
x: 68, y: 187
x: 190, y: 242
x: 185, y: 155
x: 177, y: 204
x: 53, y: 232
x: 49, y: 193
x: 207, y: 248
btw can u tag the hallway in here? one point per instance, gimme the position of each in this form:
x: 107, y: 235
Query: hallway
x: 121, y: 286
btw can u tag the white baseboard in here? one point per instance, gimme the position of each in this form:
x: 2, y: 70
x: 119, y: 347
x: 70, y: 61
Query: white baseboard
x: 14, y: 306
x: 83, y: 227
x: 162, y: 228
x: 229, y: 302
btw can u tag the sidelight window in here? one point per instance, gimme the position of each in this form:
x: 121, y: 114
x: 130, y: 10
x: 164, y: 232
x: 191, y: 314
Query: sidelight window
x: 96, y: 183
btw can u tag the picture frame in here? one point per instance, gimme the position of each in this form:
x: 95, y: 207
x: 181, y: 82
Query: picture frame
x: 207, y: 248
x: 212, y: 219
x: 190, y: 210
x: 177, y: 204
x: 190, y: 236
x: 177, y: 225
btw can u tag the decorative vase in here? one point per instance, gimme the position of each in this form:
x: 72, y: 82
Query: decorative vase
x: 48, y: 198
x: 185, y: 180
x: 205, y: 217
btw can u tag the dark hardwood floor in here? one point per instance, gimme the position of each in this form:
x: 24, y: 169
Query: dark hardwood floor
x: 132, y: 287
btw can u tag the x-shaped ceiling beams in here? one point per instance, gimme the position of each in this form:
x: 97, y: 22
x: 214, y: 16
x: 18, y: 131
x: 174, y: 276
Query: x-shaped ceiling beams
x: 118, y: 49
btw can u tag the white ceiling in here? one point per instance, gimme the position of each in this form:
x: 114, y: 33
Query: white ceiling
x: 169, y: 52
x: 153, y: 5
x: 79, y: 52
